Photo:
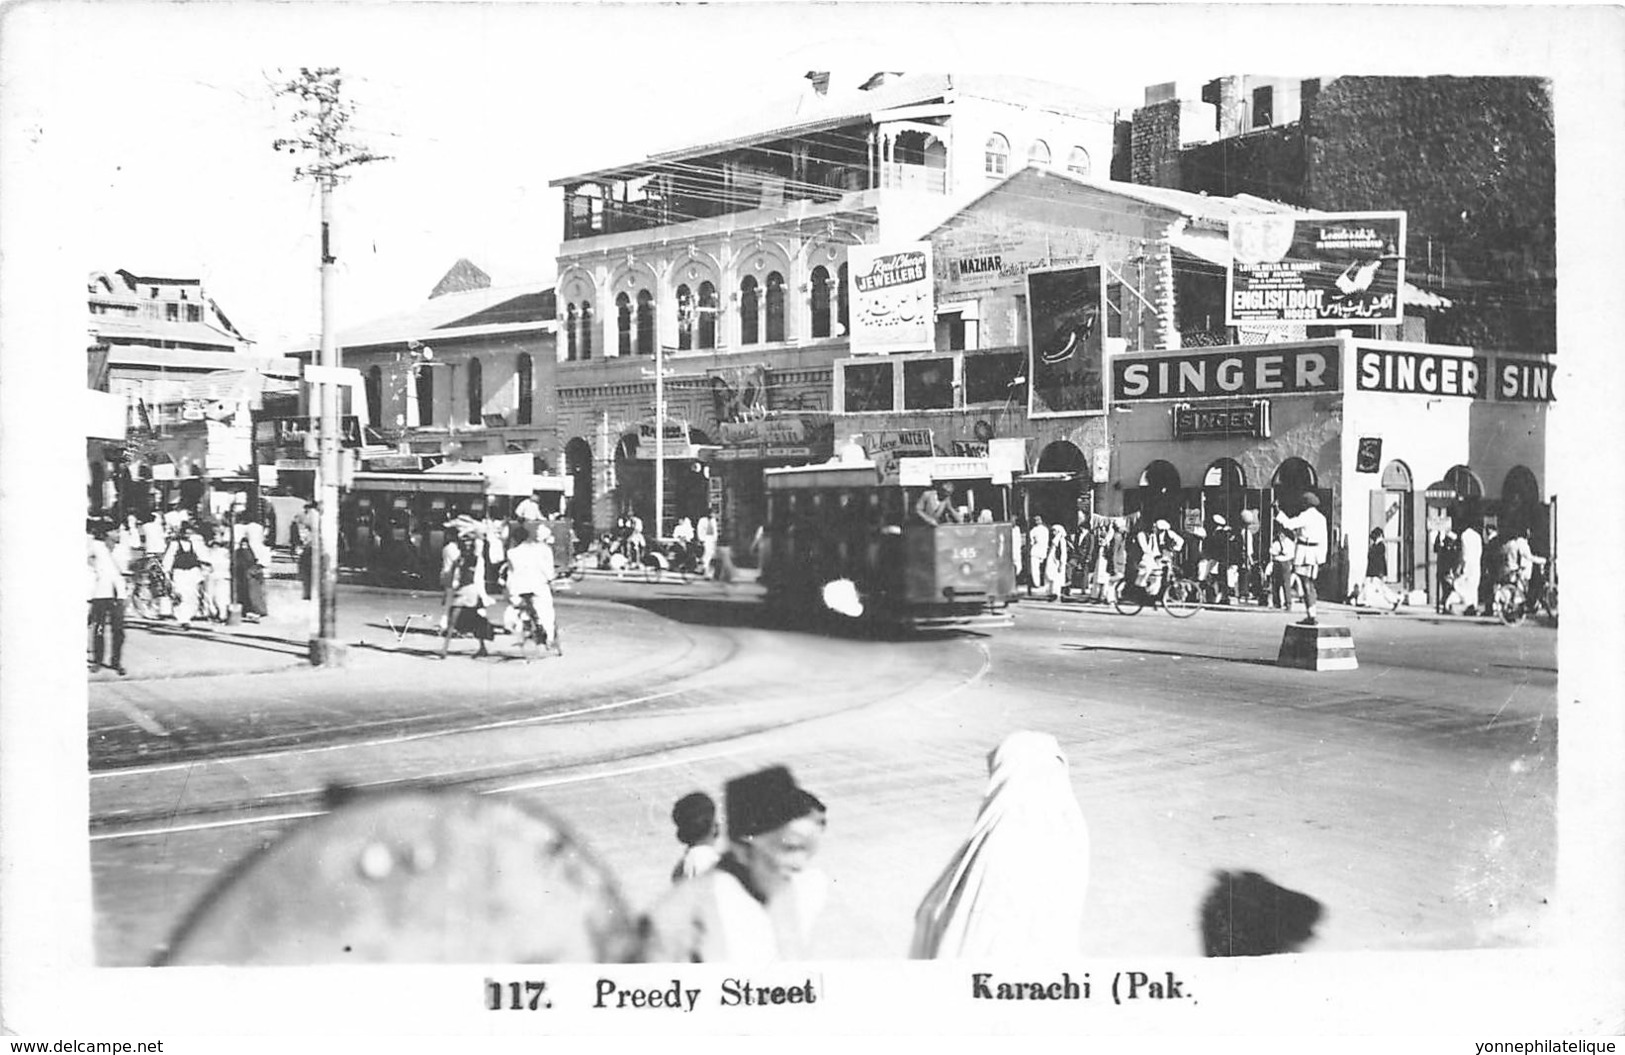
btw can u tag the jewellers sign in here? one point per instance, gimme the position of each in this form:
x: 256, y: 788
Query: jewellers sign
x: 1265, y: 370
x: 892, y: 298
x: 1222, y: 420
x: 1288, y: 269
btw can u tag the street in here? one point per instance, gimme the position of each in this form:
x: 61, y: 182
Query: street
x: 1413, y: 797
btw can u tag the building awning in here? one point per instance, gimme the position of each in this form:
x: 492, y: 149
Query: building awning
x: 1212, y: 247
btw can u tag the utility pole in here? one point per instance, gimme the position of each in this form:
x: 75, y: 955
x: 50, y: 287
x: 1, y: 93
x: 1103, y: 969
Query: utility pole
x: 323, y: 117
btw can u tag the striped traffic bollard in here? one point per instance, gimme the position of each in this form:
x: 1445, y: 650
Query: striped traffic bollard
x: 1317, y: 648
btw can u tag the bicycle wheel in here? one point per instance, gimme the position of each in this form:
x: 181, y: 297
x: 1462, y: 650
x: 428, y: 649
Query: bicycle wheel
x: 577, y: 570
x: 1181, y: 599
x: 1509, y: 607
x: 653, y: 567
x: 687, y: 571
x: 1129, y: 599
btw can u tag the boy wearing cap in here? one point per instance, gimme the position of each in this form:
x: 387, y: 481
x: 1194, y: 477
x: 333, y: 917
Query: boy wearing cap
x: 761, y: 899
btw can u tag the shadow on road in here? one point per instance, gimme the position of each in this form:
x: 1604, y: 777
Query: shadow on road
x: 748, y: 613
x: 1174, y: 655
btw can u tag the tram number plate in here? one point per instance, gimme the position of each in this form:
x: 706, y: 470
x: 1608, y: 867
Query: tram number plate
x: 964, y: 553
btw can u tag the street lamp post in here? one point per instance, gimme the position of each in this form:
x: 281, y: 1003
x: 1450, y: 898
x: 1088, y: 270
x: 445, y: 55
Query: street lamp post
x: 660, y: 440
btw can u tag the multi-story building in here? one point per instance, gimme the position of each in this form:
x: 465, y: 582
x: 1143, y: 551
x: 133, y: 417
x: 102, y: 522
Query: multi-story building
x: 188, y: 381
x: 465, y: 374
x: 728, y: 257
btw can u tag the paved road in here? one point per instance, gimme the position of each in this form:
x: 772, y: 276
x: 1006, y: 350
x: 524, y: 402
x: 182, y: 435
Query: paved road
x: 1413, y: 796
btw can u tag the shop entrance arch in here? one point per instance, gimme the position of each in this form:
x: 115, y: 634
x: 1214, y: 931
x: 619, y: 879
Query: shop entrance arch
x: 1522, y: 510
x: 578, y: 467
x: 1157, y: 494
x: 1057, y: 492
x: 634, y: 482
x: 1392, y: 507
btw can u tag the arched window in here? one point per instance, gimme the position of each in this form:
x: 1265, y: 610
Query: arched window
x: 375, y: 395
x: 570, y: 331
x: 1397, y: 477
x: 623, y: 324
x: 527, y: 398
x: 424, y: 383
x: 840, y: 301
x: 1078, y: 161
x: 1160, y: 476
x: 646, y: 322
x: 1038, y: 153
x: 820, y: 301
x: 775, y: 307
x: 1226, y: 475
x: 749, y: 321
x: 996, y: 155
x: 1295, y: 476
x: 685, y: 318
x: 476, y: 391
x: 586, y: 329
x: 708, y: 315
x: 1464, y: 482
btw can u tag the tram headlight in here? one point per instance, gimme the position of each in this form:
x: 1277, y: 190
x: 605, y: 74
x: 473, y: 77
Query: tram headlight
x: 966, y: 569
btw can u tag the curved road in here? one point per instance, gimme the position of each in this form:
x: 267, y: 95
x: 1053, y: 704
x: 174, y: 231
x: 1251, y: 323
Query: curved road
x: 1414, y: 797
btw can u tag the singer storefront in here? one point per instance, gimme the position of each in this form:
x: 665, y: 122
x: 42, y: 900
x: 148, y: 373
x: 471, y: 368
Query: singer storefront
x: 1405, y: 437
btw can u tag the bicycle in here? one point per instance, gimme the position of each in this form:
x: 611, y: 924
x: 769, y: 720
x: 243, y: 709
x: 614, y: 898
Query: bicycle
x: 1510, y: 603
x: 529, y: 627
x: 669, y: 556
x: 149, y: 587
x: 1173, y: 593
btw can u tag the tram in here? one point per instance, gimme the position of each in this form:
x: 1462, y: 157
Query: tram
x: 846, y: 521
x: 393, y: 524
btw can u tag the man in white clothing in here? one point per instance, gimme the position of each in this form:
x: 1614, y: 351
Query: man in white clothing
x: 530, y: 572
x: 1308, y: 526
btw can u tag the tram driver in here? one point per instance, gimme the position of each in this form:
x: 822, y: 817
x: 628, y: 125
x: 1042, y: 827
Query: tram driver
x: 936, y: 504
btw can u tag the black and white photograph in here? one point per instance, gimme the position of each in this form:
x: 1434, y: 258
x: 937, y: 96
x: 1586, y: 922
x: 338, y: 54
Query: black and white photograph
x: 802, y: 518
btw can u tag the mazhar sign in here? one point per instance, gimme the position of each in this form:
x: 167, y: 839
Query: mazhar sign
x: 1236, y: 373
x: 1287, y: 270
x: 892, y: 299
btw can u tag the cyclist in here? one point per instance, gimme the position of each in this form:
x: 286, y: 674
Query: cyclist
x: 1159, y: 545
x: 529, y: 580
x: 1517, y: 564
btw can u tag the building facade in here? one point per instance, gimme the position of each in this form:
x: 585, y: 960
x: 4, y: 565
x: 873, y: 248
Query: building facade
x: 727, y: 261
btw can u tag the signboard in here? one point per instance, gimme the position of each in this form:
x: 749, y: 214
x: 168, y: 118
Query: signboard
x: 921, y: 472
x: 1523, y: 381
x: 676, y: 441
x: 1100, y: 466
x: 1008, y: 454
x: 1368, y: 454
x: 301, y: 432
x: 969, y: 449
x: 885, y: 449
x: 1264, y: 370
x: 892, y: 299
x: 1066, y: 313
x: 1421, y: 373
x: 793, y: 437
x: 1288, y: 269
x: 395, y: 463
x: 1222, y: 420
x: 332, y: 375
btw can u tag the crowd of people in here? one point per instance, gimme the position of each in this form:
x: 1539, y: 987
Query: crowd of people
x: 1470, y: 563
x: 184, y: 564
x: 483, y: 557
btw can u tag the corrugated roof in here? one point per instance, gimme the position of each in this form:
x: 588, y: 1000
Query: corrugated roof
x: 452, y: 314
x: 150, y: 329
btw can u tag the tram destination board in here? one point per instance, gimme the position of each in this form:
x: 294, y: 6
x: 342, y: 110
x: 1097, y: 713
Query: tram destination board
x: 1220, y: 420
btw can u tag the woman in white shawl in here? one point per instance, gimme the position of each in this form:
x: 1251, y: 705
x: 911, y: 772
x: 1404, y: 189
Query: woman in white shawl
x: 1017, y: 885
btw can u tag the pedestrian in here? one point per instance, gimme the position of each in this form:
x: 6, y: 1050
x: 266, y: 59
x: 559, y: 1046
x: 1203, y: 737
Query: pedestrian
x: 1056, y: 563
x: 1447, y: 564
x: 302, y: 535
x: 217, y: 575
x: 1471, y: 569
x: 108, y: 590
x: 466, y: 598
x: 528, y: 577
x: 705, y: 531
x: 253, y: 557
x: 762, y: 900
x: 154, y: 536
x: 695, y: 816
x: 528, y: 510
x: 1037, y: 554
x: 1308, y: 527
x: 1017, y: 886
x: 1374, y: 591
x: 1018, y: 544
x: 1244, y: 914
x: 184, y: 563
x: 494, y: 532
x: 1282, y: 547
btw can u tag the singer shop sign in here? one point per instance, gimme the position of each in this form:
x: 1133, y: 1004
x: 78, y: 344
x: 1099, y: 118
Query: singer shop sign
x: 1249, y: 372
x: 1213, y: 421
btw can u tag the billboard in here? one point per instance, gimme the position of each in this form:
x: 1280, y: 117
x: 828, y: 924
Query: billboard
x: 1292, y: 270
x: 892, y: 299
x: 1066, y: 327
